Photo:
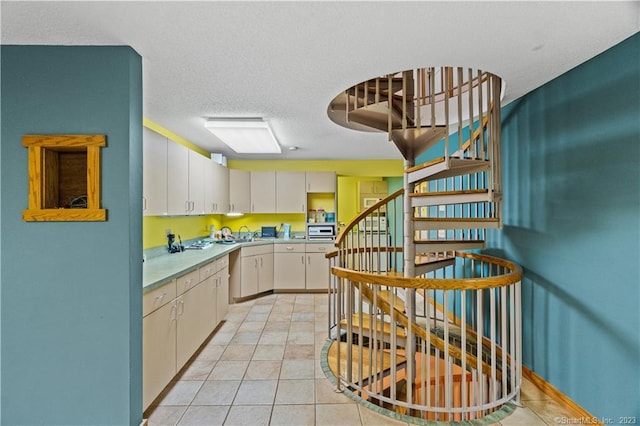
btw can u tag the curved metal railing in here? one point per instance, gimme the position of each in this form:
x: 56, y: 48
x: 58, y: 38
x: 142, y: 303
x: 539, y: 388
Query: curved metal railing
x: 445, y: 345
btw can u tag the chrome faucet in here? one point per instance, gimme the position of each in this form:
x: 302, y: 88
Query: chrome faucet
x: 248, y: 231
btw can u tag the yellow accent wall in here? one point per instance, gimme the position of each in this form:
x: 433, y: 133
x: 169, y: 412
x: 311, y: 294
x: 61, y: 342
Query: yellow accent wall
x: 256, y: 221
x: 174, y: 137
x: 188, y: 227
x: 348, y: 196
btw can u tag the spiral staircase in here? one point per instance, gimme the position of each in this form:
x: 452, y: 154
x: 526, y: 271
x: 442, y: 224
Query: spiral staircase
x: 423, y: 327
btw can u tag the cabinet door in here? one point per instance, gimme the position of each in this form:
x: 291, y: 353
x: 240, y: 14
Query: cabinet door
x: 197, y: 165
x: 239, y: 191
x: 222, y: 294
x: 154, y: 168
x: 317, y: 271
x: 158, y: 351
x: 249, y: 276
x: 380, y: 187
x: 209, y: 188
x: 321, y: 181
x: 194, y: 324
x: 265, y: 273
x: 219, y: 191
x: 289, y: 271
x: 291, y: 194
x: 263, y: 192
x: 177, y: 179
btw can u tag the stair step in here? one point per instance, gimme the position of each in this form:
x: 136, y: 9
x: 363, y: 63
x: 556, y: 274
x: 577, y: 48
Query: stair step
x: 398, y: 302
x: 433, y: 223
x: 425, y: 263
x: 375, y: 116
x: 383, y: 85
x: 433, y: 246
x: 380, y: 367
x: 438, y: 169
x: 382, y: 329
x: 414, y: 141
x: 425, y: 199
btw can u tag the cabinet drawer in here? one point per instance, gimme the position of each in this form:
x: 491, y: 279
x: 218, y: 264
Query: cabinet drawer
x: 288, y: 248
x: 256, y: 250
x: 158, y: 297
x: 187, y: 281
x: 207, y: 270
x: 319, y: 248
x: 222, y: 262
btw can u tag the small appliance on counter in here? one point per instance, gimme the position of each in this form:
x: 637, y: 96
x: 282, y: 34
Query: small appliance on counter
x: 321, y: 231
x: 268, y: 232
x: 226, y: 236
x: 172, y: 247
x: 287, y: 231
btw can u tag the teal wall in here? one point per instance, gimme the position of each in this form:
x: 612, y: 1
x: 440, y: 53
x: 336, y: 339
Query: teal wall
x: 71, y: 291
x: 571, y: 161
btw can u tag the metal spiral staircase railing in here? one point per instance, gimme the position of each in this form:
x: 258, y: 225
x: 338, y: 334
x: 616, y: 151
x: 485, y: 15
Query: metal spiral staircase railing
x: 419, y: 326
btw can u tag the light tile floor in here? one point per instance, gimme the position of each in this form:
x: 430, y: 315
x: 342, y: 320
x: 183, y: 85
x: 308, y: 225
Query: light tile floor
x: 262, y: 367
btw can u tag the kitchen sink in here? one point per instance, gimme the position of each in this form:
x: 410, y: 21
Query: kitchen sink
x: 244, y: 239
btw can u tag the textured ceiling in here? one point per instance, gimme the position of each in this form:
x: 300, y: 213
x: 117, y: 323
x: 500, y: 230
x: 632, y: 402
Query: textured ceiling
x: 285, y: 61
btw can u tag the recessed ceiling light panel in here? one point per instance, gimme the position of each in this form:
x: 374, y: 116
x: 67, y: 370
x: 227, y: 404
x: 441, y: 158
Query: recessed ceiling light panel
x: 244, y: 135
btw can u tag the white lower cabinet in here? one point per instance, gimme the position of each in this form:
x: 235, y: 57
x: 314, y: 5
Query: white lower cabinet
x: 193, y: 307
x: 158, y: 351
x: 177, y: 318
x: 317, y: 267
x: 222, y: 294
x: 289, y: 266
x: 249, y: 271
x: 256, y: 269
x: 301, y: 266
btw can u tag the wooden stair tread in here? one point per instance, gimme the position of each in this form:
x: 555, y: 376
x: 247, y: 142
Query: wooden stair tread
x: 424, y: 259
x: 385, y: 295
x: 382, y: 366
x: 440, y: 193
x: 425, y: 165
x: 455, y: 161
x: 441, y: 169
x: 418, y: 241
x: 386, y: 328
x: 456, y: 219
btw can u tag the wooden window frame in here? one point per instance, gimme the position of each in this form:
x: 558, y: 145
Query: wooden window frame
x: 43, y: 149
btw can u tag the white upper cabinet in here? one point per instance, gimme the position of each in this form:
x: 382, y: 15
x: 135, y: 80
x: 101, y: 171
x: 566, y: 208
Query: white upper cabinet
x: 185, y: 180
x: 263, y: 192
x: 177, y: 179
x: 291, y: 195
x: 321, y: 181
x: 154, y: 168
x: 197, y: 165
x: 239, y: 191
x: 216, y: 188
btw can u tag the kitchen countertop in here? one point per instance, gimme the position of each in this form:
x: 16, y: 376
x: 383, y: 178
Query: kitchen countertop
x: 158, y: 270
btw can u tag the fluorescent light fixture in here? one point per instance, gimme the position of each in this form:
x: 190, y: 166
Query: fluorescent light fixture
x: 234, y: 214
x: 244, y: 135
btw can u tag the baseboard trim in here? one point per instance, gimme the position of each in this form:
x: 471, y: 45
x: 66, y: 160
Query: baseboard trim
x: 548, y: 389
